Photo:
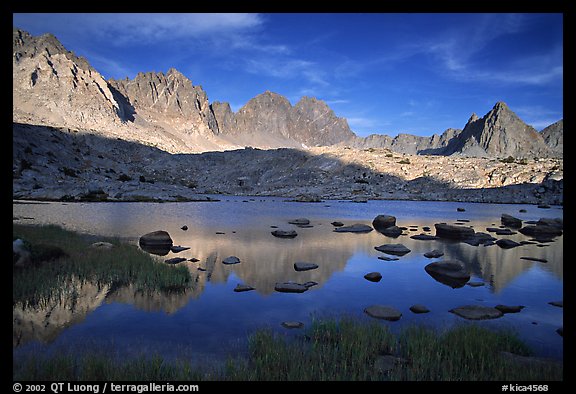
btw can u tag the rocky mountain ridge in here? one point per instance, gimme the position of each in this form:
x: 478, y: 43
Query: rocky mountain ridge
x: 54, y: 87
x: 68, y: 165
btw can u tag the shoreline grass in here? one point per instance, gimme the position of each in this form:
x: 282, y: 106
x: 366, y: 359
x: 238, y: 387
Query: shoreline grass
x: 334, y: 349
x: 60, y: 257
x: 330, y: 349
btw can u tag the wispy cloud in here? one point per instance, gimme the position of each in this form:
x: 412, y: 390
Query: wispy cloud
x: 337, y: 101
x: 123, y: 29
x: 153, y: 28
x: 107, y: 66
x: 540, y: 124
x: 287, y: 68
x: 538, y: 116
x: 462, y: 53
x: 363, y: 123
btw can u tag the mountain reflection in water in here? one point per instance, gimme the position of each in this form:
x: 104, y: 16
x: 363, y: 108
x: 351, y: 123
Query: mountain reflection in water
x: 233, y: 228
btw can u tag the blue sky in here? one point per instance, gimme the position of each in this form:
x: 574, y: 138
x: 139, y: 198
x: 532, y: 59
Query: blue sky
x: 387, y: 73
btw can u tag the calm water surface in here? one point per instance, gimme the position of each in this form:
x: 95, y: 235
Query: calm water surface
x: 212, y: 321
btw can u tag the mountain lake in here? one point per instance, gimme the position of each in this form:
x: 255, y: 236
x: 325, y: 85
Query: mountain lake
x: 211, y: 321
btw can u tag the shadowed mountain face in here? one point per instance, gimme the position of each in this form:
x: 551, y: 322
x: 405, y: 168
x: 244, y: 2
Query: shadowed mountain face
x: 554, y: 137
x: 63, y: 164
x: 310, y: 122
x: 500, y: 133
x: 54, y: 87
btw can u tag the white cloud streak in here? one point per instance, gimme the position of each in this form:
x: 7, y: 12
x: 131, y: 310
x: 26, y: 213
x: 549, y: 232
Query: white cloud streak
x: 152, y: 28
x: 459, y: 51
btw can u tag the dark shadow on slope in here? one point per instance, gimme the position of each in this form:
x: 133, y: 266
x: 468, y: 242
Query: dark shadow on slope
x: 53, y: 156
x: 126, y: 111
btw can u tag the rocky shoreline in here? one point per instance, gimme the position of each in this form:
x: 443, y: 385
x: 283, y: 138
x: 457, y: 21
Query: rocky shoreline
x: 59, y: 164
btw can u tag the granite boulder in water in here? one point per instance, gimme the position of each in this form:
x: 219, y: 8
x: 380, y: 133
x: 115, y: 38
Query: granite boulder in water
x: 156, y: 242
x: 452, y: 273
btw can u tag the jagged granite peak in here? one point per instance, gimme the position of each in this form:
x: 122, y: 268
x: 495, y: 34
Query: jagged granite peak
x: 53, y: 86
x: 315, y: 124
x: 224, y: 117
x: 554, y: 137
x: 473, y: 118
x: 310, y: 122
x: 26, y: 45
x: 500, y: 133
x: 405, y: 143
x: 170, y: 98
x: 268, y: 114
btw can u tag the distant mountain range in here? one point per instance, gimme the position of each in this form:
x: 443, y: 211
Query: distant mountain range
x: 52, y: 86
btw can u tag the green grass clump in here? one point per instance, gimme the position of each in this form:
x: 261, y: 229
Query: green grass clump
x: 467, y: 352
x: 335, y: 349
x: 61, y: 257
x: 97, y: 366
x: 331, y: 349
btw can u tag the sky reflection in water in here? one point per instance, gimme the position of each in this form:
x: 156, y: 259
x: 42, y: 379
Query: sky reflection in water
x: 212, y: 320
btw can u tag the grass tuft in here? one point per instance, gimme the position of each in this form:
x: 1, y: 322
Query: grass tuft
x: 61, y: 258
x: 332, y: 349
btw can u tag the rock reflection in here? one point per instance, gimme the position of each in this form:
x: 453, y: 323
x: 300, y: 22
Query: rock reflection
x: 45, y: 321
x: 267, y: 260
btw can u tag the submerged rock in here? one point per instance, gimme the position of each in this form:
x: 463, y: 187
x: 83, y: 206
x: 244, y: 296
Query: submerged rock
x: 451, y: 231
x: 559, y: 304
x: 337, y: 224
x: 292, y: 324
x: 541, y: 231
x: 452, y: 273
x: 534, y: 259
x: 392, y: 231
x: 386, y: 258
x: 231, y: 260
x: 554, y: 222
x: 384, y: 312
x: 419, y: 308
x: 394, y: 249
x: 433, y: 254
x: 242, y: 288
x: 479, y: 239
x: 178, y: 249
x: 355, y: 228
x: 175, y: 260
x: 510, y: 221
x: 424, y: 237
x: 156, y: 238
x: 156, y: 242
x: 477, y: 312
x: 505, y: 243
x: 302, y: 266
x: 300, y: 221
x: 504, y: 231
x: 509, y: 308
x: 290, y: 287
x: 373, y: 276
x: 382, y: 222
x: 284, y: 233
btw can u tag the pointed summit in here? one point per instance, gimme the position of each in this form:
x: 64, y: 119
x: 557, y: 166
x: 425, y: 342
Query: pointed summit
x: 500, y: 106
x: 473, y: 118
x: 500, y: 133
